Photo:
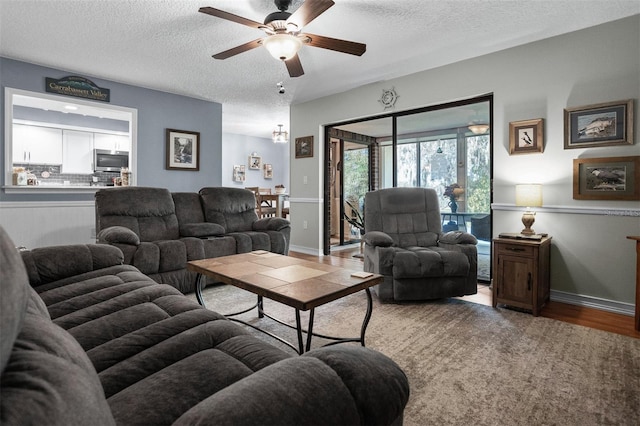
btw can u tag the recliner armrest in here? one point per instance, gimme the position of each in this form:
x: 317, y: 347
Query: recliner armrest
x: 270, y: 224
x: 118, y: 235
x: 458, y: 237
x: 378, y: 238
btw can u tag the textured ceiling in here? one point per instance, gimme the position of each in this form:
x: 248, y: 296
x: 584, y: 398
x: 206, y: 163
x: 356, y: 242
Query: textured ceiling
x: 167, y: 45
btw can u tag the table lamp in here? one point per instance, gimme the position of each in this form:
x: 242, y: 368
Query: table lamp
x: 528, y: 195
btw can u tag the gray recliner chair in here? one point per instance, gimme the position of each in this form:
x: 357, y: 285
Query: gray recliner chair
x: 404, y: 243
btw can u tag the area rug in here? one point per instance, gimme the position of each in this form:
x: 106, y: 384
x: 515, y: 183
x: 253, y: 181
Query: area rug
x: 470, y: 364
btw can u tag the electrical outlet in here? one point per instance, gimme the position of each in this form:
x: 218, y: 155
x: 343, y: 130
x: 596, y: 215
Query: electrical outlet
x: 304, y: 224
x: 304, y: 180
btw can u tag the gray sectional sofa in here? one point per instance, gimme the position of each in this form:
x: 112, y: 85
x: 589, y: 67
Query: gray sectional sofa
x: 159, y: 231
x: 87, y: 340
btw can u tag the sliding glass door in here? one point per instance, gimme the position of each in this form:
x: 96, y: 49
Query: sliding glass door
x: 445, y: 147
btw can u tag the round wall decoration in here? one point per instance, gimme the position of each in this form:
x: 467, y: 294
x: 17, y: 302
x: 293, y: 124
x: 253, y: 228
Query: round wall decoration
x: 388, y: 98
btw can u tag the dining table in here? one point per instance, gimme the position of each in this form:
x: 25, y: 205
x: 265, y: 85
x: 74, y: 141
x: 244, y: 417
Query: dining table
x: 278, y: 199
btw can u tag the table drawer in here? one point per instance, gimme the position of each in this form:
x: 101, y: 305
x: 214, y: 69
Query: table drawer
x: 514, y: 249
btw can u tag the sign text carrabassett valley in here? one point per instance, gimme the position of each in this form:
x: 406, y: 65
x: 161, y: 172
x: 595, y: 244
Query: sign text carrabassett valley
x: 79, y: 87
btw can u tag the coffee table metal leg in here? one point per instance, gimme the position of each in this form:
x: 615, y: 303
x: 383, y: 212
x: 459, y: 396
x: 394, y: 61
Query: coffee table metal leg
x: 199, y: 283
x: 367, y: 316
x: 299, y: 331
x: 310, y: 329
x: 260, y: 307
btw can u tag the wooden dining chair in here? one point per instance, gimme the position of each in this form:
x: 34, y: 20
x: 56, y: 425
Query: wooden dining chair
x: 261, y: 209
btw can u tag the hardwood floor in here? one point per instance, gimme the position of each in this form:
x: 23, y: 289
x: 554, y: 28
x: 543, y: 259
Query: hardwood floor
x: 588, y: 317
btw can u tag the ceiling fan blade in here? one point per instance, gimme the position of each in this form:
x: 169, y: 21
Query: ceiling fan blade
x: 309, y: 11
x: 239, y: 49
x: 230, y: 17
x: 294, y: 66
x: 344, y: 46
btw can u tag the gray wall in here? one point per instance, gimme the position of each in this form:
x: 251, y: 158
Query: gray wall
x: 157, y: 111
x: 591, y: 256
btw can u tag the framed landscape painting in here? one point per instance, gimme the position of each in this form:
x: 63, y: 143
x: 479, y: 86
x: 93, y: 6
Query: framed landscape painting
x: 526, y: 136
x: 605, y: 124
x: 183, y: 150
x: 611, y: 178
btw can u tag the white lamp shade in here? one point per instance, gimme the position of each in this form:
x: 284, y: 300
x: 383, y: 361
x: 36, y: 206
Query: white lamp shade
x: 282, y: 46
x: 529, y: 195
x: 479, y: 129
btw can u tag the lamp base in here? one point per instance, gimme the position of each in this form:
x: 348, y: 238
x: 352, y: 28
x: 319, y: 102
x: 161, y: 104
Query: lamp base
x: 527, y: 220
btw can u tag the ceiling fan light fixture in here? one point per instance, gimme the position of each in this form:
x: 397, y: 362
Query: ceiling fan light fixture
x: 280, y: 136
x: 282, y: 46
x: 479, y: 129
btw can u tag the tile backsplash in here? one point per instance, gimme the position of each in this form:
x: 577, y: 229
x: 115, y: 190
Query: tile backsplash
x: 49, y: 174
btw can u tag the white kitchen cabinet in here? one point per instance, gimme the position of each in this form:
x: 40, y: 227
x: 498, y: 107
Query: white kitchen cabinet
x: 36, y: 144
x: 111, y: 142
x: 77, y: 152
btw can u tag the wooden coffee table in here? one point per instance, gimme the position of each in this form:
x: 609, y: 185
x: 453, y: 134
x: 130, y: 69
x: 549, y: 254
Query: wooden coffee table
x: 297, y: 283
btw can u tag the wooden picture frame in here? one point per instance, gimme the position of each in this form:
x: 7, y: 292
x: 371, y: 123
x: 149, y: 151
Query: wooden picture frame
x: 239, y: 173
x: 304, y: 147
x: 255, y: 162
x: 182, y: 150
x: 526, y: 136
x: 609, y: 178
x: 604, y: 124
x: 267, y: 171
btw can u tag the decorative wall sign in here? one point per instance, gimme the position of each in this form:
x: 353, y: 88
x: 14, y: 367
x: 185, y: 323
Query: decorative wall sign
x: 268, y: 171
x: 255, y: 161
x: 79, y: 87
x: 388, y: 98
x: 238, y: 173
x: 611, y: 178
x: 183, y: 150
x: 525, y: 137
x: 304, y: 147
x: 605, y: 124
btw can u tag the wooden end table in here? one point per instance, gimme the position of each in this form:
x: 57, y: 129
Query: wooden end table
x: 297, y: 283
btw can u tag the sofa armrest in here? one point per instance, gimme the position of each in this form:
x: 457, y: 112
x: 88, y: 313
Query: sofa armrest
x: 457, y: 237
x: 338, y: 385
x: 53, y: 263
x: 202, y: 230
x: 118, y: 235
x: 270, y: 224
x: 378, y: 239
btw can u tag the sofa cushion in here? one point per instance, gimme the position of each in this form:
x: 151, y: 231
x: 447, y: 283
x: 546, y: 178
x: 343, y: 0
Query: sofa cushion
x: 200, y: 230
x: 417, y: 262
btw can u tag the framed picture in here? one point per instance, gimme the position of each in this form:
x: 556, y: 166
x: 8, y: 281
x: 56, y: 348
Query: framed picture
x: 268, y: 171
x: 526, y: 136
x: 254, y: 162
x: 183, y: 150
x: 605, y: 124
x: 612, y: 178
x: 304, y: 147
x: 238, y: 173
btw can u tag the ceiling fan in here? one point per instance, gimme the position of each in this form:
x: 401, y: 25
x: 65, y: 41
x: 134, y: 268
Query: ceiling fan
x: 283, y: 33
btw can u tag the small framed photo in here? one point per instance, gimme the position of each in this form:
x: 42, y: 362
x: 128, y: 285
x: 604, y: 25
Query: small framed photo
x: 255, y: 162
x: 526, y: 136
x: 304, y: 147
x: 268, y: 171
x: 606, y: 124
x: 183, y: 150
x: 238, y: 173
x: 611, y: 178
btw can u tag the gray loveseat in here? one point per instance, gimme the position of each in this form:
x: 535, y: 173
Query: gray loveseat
x: 159, y: 231
x: 405, y: 243
x: 87, y: 340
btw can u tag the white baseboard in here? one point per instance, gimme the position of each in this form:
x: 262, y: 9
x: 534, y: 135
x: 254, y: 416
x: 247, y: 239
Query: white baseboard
x: 593, y: 302
x: 305, y: 250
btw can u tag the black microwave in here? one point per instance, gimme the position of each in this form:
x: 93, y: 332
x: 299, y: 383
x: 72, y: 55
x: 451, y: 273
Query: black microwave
x: 105, y: 160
